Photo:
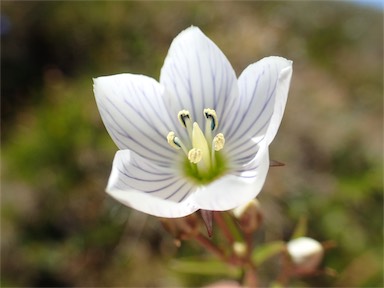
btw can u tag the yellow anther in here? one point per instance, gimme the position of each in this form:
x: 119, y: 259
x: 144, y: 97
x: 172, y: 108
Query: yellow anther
x: 211, y: 114
x: 182, y: 115
x: 194, y: 155
x: 218, y: 142
x: 171, y: 140
x: 200, y: 148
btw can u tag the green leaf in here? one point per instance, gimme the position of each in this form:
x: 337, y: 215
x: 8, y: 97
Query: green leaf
x: 301, y: 228
x: 205, y: 267
x: 276, y: 285
x: 266, y: 251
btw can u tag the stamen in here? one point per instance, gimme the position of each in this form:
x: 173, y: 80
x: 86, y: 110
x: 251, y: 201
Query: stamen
x: 204, y: 162
x: 175, y: 142
x: 218, y: 142
x: 186, y: 120
x: 182, y: 115
x: 171, y: 140
x: 194, y: 155
x: 210, y: 114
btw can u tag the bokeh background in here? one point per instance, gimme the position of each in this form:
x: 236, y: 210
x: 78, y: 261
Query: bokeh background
x: 59, y: 228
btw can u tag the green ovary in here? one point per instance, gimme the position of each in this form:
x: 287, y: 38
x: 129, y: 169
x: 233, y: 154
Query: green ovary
x: 203, y: 177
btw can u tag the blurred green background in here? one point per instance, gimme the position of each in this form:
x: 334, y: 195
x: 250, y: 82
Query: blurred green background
x: 59, y: 228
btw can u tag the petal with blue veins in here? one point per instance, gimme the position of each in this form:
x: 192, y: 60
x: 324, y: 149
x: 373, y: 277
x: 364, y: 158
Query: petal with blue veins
x: 133, y: 111
x: 198, y: 76
x: 237, y: 188
x: 152, y: 189
x: 263, y: 88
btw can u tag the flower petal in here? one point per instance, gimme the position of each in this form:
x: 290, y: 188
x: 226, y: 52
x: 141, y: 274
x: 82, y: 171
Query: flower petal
x: 234, y: 190
x: 133, y: 111
x: 149, y: 188
x: 198, y: 76
x: 263, y: 88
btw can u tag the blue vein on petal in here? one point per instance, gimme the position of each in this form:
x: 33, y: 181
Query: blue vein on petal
x: 135, y: 165
x: 228, y: 86
x: 124, y: 134
x: 161, y: 189
x: 127, y: 181
x: 140, y: 144
x: 145, y: 119
x: 213, y: 77
x: 185, y: 79
x: 176, y: 192
x: 150, y: 104
x: 202, y: 96
x: 177, y: 179
x: 241, y: 144
x: 171, y: 71
x: 169, y: 176
x: 190, y: 91
x: 246, y: 113
x: 144, y: 179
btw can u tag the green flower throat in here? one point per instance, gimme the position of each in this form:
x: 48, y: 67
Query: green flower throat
x: 204, y: 161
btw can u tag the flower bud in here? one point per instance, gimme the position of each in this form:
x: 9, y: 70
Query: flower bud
x: 306, y: 254
x: 240, y: 249
x: 249, y: 216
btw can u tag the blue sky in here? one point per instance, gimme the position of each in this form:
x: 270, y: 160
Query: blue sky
x: 377, y: 4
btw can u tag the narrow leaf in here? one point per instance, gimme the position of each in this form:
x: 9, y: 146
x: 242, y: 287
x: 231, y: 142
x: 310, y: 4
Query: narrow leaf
x: 266, y: 251
x: 301, y: 228
x: 205, y: 267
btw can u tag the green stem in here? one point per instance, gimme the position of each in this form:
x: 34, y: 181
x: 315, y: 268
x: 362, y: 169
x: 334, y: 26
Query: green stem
x: 232, y: 227
x: 218, y: 216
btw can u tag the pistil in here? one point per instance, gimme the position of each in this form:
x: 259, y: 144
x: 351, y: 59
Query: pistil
x: 199, y: 142
x: 200, y: 148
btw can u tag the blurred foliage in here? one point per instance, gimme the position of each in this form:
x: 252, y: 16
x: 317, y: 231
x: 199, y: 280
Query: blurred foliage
x: 58, y: 227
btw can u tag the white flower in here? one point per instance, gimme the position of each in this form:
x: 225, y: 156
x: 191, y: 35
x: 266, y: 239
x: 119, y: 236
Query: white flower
x: 306, y: 253
x: 198, y: 139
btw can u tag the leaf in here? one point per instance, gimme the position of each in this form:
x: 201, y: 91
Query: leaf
x: 205, y: 267
x: 301, y: 228
x: 266, y: 251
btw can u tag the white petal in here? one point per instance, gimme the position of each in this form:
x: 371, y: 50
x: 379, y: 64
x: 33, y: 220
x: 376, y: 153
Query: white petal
x: 234, y: 190
x: 198, y: 76
x: 149, y: 188
x: 133, y: 111
x: 263, y: 90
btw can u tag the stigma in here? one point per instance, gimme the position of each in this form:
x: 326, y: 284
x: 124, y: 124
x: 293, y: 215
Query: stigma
x: 200, y: 148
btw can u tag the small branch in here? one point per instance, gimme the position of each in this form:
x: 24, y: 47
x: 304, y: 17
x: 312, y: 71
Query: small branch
x: 285, y: 274
x: 250, y: 277
x: 207, y: 244
x: 224, y: 227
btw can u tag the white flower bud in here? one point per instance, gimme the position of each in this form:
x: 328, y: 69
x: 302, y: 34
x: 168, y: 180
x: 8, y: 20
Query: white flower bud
x: 306, y: 253
x: 240, y: 249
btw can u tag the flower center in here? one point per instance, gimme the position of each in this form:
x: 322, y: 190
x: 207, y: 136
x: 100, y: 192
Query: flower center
x: 204, y: 161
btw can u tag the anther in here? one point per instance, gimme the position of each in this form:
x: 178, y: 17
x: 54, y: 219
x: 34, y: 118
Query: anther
x: 194, y: 155
x: 210, y: 114
x: 218, y: 142
x: 182, y: 115
x: 172, y: 140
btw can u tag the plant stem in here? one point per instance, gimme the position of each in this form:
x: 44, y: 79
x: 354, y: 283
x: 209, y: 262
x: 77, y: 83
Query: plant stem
x: 250, y: 276
x: 224, y: 227
x: 207, y: 244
